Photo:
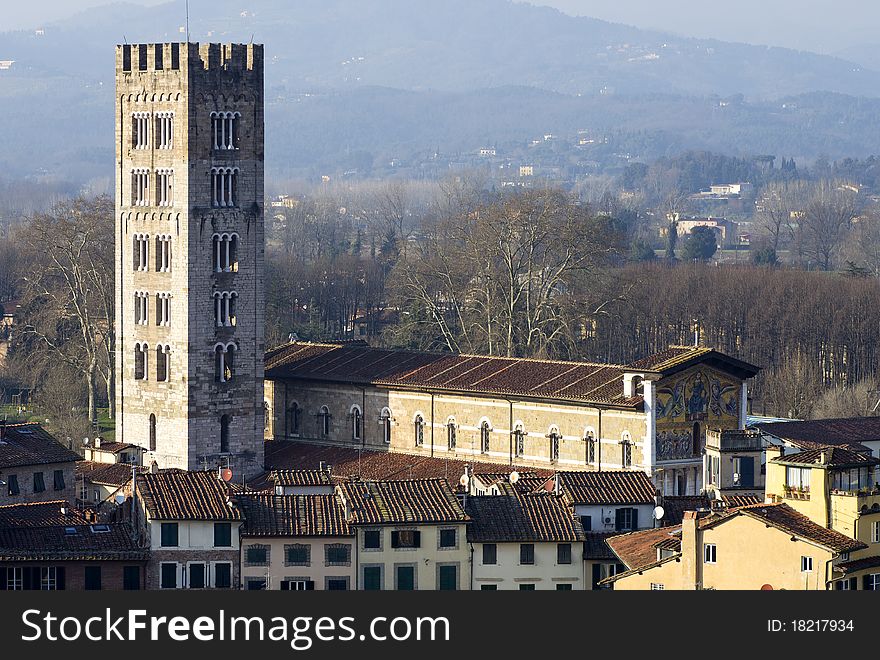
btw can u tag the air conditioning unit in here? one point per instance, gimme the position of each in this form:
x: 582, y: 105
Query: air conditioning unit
x: 607, y: 521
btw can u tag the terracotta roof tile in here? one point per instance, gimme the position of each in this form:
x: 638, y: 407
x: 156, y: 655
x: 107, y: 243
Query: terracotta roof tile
x: 31, y: 444
x: 639, y: 549
x: 674, y: 507
x: 422, y: 501
x: 112, y: 541
x: 40, y: 514
x: 348, y: 462
x: 831, y: 456
x: 299, y: 477
x: 114, y: 447
x: 596, y: 548
x: 814, y: 433
x: 607, y: 487
x: 857, y: 565
x: 293, y: 515
x: 107, y: 474
x: 180, y: 495
x: 444, y: 371
x: 521, y: 518
x: 785, y: 518
x: 478, y: 374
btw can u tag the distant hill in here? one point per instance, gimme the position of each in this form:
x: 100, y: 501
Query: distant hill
x: 465, y: 67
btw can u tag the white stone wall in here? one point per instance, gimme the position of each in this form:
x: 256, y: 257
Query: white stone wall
x: 189, y: 406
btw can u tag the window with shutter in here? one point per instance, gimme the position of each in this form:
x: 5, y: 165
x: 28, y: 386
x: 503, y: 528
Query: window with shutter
x: 223, y: 575
x: 169, y: 536
x: 448, y: 577
x: 372, y: 578
x: 92, y: 578
x: 168, y: 576
x: 197, y: 574
x: 490, y: 554
x: 527, y: 553
x: 563, y: 553
x: 406, y: 578
x: 297, y: 554
x: 131, y: 578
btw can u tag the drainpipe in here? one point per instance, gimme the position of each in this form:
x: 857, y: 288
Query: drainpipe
x: 432, y: 424
x: 471, y: 562
x: 599, y: 438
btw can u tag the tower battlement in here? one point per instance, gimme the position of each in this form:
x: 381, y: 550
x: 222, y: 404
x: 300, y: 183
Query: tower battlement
x: 142, y: 58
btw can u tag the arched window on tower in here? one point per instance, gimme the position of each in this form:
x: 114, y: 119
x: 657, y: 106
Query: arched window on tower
x: 163, y: 363
x: 152, y: 433
x: 224, y: 434
x: 224, y: 362
x: 140, y: 361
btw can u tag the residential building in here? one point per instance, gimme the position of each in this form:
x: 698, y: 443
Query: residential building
x: 410, y: 535
x: 100, y: 486
x: 650, y: 415
x: 615, y: 500
x: 854, y: 433
x: 733, y: 463
x: 296, y: 482
x: 49, y: 546
x: 296, y: 543
x: 762, y: 546
x: 191, y: 524
x: 34, y: 465
x: 527, y: 542
x: 104, y: 451
x: 190, y: 254
x: 838, y: 489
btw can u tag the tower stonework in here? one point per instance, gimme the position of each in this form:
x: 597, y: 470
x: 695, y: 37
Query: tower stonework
x: 190, y: 254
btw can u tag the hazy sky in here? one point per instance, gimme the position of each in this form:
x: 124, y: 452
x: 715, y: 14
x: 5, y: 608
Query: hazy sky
x: 818, y: 26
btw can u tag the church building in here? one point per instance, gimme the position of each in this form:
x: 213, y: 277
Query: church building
x: 650, y: 415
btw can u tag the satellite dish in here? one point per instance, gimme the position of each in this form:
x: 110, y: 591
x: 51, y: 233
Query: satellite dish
x: 659, y: 512
x: 226, y: 474
x: 767, y: 587
x: 464, y: 481
x: 514, y: 477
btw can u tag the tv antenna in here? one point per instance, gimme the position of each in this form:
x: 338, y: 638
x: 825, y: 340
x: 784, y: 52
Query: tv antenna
x: 187, y: 20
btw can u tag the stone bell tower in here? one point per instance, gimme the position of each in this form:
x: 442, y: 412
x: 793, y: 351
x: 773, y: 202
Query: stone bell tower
x: 190, y: 254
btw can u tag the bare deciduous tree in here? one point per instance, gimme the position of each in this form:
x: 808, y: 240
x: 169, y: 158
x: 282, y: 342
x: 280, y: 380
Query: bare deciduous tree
x: 68, y: 297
